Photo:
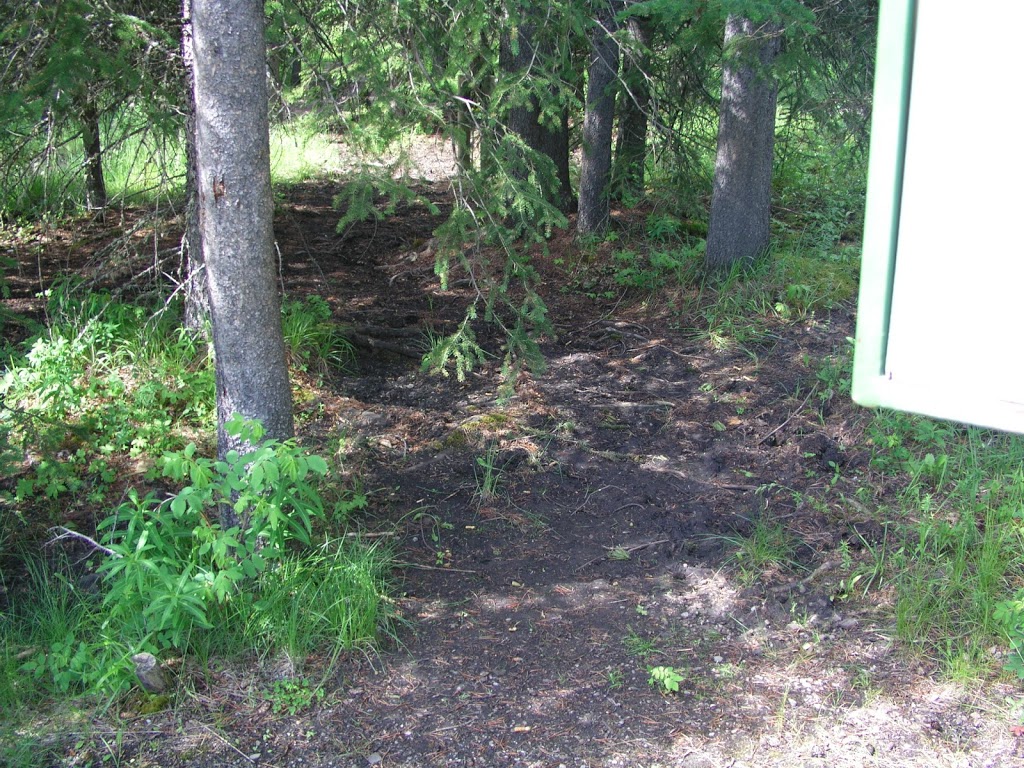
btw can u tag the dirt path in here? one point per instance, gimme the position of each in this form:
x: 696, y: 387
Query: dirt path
x: 557, y: 547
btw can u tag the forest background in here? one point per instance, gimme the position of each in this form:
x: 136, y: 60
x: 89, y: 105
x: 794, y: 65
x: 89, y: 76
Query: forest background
x: 692, y: 167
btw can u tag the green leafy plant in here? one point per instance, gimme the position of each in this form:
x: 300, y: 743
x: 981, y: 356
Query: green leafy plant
x: 170, y: 559
x: 293, y: 696
x: 660, y: 268
x: 314, y: 342
x: 105, y: 378
x: 665, y: 678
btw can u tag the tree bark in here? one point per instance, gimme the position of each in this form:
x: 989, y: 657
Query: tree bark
x: 554, y: 142
x: 95, y: 186
x: 631, y: 145
x: 236, y: 211
x: 738, y: 227
x: 597, y: 123
x: 524, y: 119
x: 193, y: 270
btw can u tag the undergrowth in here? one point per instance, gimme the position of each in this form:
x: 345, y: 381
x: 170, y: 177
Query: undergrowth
x: 958, y: 567
x: 110, y: 401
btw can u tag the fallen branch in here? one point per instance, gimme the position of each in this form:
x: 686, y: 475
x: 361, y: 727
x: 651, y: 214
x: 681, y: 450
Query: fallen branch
x: 67, y: 533
x: 790, y: 418
x: 432, y: 568
x: 377, y: 345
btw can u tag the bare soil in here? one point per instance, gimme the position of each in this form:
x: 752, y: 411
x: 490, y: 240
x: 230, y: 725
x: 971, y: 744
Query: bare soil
x: 620, y: 479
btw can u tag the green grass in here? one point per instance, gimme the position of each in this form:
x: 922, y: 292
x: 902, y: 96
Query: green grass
x: 326, y: 600
x: 962, y: 553
x: 300, y: 150
x: 142, y: 166
x: 44, y: 636
x: 767, y: 546
x: 315, y: 343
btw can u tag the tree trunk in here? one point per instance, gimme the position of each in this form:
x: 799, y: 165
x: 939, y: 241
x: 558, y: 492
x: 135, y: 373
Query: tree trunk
x: 631, y: 146
x: 475, y: 87
x: 554, y: 142
x: 95, y: 186
x: 597, y: 123
x: 236, y: 211
x: 193, y: 271
x: 515, y: 58
x: 738, y: 228
x: 524, y: 119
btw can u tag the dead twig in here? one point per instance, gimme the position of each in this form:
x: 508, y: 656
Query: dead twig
x: 67, y: 533
x: 790, y: 417
x: 432, y: 568
x: 630, y: 550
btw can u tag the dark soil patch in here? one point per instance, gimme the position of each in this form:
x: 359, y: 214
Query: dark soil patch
x: 602, y: 544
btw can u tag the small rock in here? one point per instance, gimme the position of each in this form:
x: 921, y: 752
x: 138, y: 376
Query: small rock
x: 374, y: 759
x: 147, y: 669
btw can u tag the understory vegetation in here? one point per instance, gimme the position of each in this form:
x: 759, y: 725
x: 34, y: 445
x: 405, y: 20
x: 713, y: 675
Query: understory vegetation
x: 109, y: 393
x: 105, y: 404
x: 113, y: 537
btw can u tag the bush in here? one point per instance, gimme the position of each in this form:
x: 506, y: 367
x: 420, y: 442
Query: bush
x: 175, y: 580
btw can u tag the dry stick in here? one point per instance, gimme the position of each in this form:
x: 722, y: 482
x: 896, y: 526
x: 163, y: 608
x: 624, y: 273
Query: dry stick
x: 790, y: 418
x: 432, y: 568
x: 627, y: 506
x: 631, y: 549
x: 667, y: 349
x: 637, y: 547
x: 228, y: 743
x: 69, y: 534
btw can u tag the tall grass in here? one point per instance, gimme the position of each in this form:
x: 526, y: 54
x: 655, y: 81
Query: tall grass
x: 962, y: 554
x: 45, y: 176
x: 142, y: 165
x: 301, y: 150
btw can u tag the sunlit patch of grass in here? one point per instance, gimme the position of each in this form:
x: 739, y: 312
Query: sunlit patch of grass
x: 301, y: 150
x: 314, y: 341
x: 768, y: 547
